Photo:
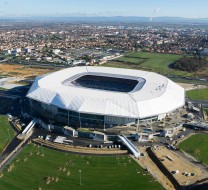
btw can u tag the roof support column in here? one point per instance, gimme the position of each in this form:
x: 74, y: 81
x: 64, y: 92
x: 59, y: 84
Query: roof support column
x: 104, y: 124
x: 137, y: 124
x: 68, y: 117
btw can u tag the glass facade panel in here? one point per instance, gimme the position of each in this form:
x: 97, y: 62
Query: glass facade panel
x: 73, y: 113
x: 63, y: 111
x: 91, y: 116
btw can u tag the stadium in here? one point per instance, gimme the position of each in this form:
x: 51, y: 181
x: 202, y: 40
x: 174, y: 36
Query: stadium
x: 104, y: 96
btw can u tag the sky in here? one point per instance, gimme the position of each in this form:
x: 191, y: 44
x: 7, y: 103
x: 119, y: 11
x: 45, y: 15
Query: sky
x: 147, y: 8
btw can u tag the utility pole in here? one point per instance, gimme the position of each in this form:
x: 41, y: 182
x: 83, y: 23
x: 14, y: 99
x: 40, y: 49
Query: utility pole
x: 9, y: 135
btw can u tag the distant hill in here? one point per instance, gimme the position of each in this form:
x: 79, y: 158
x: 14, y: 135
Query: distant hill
x: 115, y: 19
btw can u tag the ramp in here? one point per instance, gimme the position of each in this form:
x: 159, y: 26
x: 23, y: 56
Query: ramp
x: 29, y: 127
x: 130, y: 146
x: 27, y: 130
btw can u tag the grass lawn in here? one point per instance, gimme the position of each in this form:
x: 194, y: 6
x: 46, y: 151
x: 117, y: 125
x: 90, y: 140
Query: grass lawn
x: 200, y: 94
x: 196, y: 146
x: 131, y: 60
x: 118, y: 64
x: 6, y: 132
x: 156, y: 62
x: 97, y: 172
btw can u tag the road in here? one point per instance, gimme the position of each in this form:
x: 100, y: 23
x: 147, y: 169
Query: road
x: 5, y: 60
x: 12, y: 145
x: 9, y: 149
x: 204, y: 103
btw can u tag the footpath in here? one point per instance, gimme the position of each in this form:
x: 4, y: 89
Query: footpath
x: 79, y: 149
x: 13, y: 150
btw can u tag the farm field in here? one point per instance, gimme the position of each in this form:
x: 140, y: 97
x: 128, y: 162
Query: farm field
x: 196, y: 146
x: 41, y: 168
x: 6, y: 132
x: 199, y: 94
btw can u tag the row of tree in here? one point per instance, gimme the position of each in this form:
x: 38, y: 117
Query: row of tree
x: 190, y: 64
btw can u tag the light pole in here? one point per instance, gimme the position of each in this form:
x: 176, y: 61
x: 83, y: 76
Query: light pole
x: 42, y: 150
x: 80, y: 177
x: 118, y: 159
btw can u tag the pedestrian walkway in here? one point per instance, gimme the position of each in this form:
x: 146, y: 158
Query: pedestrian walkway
x: 130, y: 146
x: 27, y: 130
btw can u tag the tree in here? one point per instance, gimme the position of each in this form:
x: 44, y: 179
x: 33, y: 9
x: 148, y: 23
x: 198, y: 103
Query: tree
x: 190, y: 64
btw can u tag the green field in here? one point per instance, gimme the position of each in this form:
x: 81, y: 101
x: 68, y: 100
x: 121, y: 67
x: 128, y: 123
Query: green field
x: 6, y: 132
x: 196, y: 146
x: 156, y: 62
x: 131, y: 60
x: 32, y: 171
x: 200, y: 94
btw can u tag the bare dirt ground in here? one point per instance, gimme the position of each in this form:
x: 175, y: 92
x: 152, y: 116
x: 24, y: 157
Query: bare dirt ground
x: 172, y: 161
x: 14, y: 75
x: 191, y: 86
x: 21, y: 71
x: 147, y: 163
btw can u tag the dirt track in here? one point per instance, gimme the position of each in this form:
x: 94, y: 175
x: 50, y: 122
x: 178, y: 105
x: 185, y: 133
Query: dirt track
x: 187, y: 86
x: 172, y: 161
x: 147, y: 163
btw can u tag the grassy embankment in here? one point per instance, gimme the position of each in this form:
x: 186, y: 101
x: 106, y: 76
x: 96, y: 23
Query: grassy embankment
x: 196, y: 146
x: 199, y: 94
x: 6, y: 132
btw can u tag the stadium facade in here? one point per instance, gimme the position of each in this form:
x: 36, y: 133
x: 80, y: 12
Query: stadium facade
x: 100, y: 96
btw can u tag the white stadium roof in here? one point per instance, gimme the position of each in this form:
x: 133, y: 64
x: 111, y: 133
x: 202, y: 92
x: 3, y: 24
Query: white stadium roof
x: 153, y: 95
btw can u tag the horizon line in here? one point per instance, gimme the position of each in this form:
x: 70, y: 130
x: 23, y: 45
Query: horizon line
x: 91, y: 16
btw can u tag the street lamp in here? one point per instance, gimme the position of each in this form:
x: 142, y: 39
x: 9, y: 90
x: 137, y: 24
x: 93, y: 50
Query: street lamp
x: 80, y: 177
x: 118, y: 160
x: 42, y: 150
